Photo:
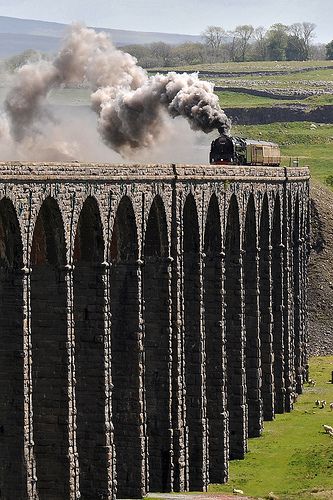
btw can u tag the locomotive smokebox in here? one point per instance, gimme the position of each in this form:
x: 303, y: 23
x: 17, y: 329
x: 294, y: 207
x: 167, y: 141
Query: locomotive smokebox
x: 222, y: 130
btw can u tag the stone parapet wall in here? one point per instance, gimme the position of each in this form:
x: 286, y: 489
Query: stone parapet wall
x: 159, y: 317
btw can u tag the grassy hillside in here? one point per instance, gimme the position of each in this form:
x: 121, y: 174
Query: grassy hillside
x: 253, y: 66
x: 313, y: 147
x: 294, y: 457
x: 18, y: 35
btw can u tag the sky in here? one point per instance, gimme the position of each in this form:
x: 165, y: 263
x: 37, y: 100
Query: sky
x: 176, y: 16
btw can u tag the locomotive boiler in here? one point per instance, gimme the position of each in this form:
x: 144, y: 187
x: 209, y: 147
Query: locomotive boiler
x: 228, y: 150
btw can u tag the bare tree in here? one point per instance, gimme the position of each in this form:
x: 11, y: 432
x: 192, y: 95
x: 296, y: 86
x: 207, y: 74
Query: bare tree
x: 302, y: 34
x: 243, y: 34
x: 259, y: 35
x: 308, y: 36
x: 214, y: 37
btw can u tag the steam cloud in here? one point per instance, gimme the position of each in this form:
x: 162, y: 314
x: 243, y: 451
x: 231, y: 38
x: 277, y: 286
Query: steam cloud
x: 133, y: 109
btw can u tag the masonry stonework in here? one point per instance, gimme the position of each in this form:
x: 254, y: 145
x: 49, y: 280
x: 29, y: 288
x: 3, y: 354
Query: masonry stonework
x: 151, y: 318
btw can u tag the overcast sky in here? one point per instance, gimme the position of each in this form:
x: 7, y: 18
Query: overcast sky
x: 176, y: 16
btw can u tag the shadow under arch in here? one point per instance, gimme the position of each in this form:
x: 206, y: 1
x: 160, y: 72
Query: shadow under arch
x: 215, y: 349
x: 265, y: 305
x: 251, y: 322
x: 12, y: 464
x: 277, y: 308
x: 193, y: 345
x: 236, y: 381
x: 89, y: 356
x: 157, y: 347
x: 296, y: 240
x: 49, y: 353
x: 126, y: 332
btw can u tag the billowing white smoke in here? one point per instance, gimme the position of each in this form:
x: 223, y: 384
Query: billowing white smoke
x: 133, y: 109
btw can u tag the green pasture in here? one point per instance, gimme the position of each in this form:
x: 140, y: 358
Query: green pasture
x: 237, y: 67
x: 294, y: 457
x: 312, y: 147
x: 231, y: 99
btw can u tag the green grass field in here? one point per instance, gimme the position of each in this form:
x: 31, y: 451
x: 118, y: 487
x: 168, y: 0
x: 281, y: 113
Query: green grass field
x: 294, y: 457
x: 312, y: 147
x: 231, y: 99
x: 236, y: 67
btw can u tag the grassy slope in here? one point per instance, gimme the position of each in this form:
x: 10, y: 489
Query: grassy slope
x: 252, y: 66
x: 231, y: 99
x: 294, y: 457
x: 313, y: 147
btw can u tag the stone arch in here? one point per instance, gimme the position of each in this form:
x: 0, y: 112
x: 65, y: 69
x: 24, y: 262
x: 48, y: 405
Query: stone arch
x: 251, y: 321
x: 277, y: 308
x: 157, y: 348
x: 12, y: 466
x: 215, y: 348
x: 126, y: 366
x: 236, y: 382
x: 193, y: 345
x: 265, y: 306
x: 88, y: 283
x: 49, y: 354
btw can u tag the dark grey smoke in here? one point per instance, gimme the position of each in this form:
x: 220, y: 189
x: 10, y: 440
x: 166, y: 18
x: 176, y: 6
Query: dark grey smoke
x: 137, y: 118
x: 133, y: 109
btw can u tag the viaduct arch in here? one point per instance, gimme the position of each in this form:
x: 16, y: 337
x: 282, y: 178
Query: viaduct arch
x: 151, y: 319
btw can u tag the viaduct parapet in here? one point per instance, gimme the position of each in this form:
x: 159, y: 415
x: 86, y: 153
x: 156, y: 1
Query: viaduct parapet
x: 151, y: 318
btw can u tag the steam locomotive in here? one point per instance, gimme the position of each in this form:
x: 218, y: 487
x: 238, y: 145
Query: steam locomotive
x: 227, y: 150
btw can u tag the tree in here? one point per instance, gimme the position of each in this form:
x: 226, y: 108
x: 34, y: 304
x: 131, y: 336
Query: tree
x: 23, y: 58
x: 277, y: 41
x: 162, y: 51
x: 188, y: 53
x: 329, y: 50
x: 308, y: 36
x: 233, y: 46
x: 260, y: 45
x: 243, y: 33
x: 301, y: 35
x: 214, y: 37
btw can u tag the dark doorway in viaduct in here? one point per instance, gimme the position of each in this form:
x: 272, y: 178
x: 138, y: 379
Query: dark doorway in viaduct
x: 126, y: 331
x: 157, y: 348
x: 235, y: 335
x: 215, y: 369
x: 49, y: 364
x: 277, y: 309
x: 265, y: 303
x: 89, y: 334
x: 193, y: 344
x: 251, y: 309
x: 12, y: 473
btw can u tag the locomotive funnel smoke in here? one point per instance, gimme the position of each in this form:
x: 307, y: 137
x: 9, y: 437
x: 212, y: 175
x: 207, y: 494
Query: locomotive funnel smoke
x: 137, y: 118
x: 133, y: 109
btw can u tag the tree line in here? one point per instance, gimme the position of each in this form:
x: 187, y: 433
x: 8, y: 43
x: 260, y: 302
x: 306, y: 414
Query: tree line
x: 279, y: 42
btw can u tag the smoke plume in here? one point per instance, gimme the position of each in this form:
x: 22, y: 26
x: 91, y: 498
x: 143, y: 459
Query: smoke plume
x: 133, y: 110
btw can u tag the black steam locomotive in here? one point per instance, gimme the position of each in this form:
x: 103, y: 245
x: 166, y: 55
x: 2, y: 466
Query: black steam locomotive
x: 227, y: 150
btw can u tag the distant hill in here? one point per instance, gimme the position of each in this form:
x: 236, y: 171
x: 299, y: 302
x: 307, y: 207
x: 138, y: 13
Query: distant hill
x: 17, y: 35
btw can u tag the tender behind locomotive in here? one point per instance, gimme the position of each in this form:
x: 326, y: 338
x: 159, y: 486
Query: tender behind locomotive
x: 238, y: 151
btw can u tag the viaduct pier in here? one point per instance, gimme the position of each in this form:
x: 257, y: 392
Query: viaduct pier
x: 151, y: 318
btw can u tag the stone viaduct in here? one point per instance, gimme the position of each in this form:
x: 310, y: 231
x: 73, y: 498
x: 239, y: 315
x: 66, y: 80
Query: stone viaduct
x: 151, y: 318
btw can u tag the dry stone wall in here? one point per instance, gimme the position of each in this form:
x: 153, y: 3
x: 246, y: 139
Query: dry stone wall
x: 151, y: 318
